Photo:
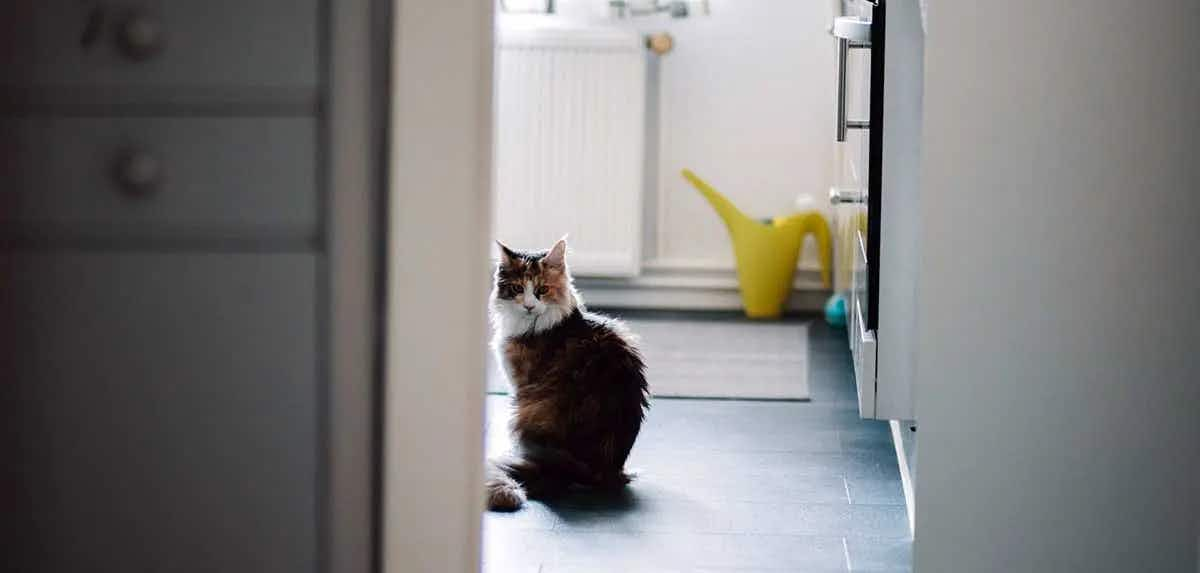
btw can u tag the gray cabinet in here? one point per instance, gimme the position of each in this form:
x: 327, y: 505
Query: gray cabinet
x: 166, y: 408
x: 165, y: 299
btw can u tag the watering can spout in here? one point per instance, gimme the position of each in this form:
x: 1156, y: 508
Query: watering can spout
x: 725, y: 208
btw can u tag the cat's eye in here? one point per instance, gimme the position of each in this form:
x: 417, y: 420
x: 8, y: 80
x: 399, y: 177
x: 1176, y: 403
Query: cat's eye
x: 541, y: 290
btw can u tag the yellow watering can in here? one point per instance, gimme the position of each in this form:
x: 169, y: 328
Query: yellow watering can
x: 766, y: 253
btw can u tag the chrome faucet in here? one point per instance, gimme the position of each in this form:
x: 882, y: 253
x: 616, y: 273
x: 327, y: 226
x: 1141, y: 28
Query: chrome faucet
x: 676, y: 8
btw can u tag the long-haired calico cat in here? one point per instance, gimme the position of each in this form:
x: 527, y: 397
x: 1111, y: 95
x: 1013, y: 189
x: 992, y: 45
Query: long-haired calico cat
x: 579, y: 389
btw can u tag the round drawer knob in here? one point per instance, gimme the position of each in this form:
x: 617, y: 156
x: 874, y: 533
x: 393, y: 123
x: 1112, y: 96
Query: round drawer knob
x: 139, y: 173
x: 660, y: 43
x: 140, y: 36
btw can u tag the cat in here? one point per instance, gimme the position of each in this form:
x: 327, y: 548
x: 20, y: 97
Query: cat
x: 579, y: 385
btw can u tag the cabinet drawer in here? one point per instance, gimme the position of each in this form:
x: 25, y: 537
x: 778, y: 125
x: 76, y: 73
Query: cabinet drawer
x: 858, y: 107
x: 166, y: 411
x: 150, y: 45
x: 860, y: 275
x: 862, y: 341
x: 158, y: 178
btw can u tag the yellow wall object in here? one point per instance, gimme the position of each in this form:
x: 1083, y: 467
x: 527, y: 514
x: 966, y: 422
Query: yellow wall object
x: 766, y: 254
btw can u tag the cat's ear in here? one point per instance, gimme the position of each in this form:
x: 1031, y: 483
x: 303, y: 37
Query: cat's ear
x: 507, y: 256
x: 557, y: 256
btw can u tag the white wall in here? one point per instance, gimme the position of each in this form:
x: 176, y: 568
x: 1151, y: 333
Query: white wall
x: 1057, y: 385
x: 746, y: 100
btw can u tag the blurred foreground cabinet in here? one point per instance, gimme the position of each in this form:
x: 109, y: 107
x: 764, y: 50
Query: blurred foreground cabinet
x: 166, y: 409
x: 174, y: 291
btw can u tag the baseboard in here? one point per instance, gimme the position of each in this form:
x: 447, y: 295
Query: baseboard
x: 906, y: 471
x: 695, y: 289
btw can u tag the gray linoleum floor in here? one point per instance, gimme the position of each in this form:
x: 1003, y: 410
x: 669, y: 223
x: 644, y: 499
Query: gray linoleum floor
x: 728, y: 485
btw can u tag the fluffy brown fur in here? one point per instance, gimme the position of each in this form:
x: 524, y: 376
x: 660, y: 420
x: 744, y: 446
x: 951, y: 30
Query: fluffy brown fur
x: 579, y: 389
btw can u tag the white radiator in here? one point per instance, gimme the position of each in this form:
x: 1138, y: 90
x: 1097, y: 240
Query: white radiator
x: 569, y: 141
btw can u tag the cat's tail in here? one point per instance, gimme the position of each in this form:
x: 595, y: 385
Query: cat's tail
x: 503, y: 492
x: 541, y: 473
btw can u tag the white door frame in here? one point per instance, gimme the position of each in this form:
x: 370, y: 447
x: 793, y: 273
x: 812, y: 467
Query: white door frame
x: 439, y: 217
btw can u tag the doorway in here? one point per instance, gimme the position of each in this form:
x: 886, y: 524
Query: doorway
x: 752, y: 454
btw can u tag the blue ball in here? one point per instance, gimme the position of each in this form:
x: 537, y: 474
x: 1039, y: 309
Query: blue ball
x: 835, y: 311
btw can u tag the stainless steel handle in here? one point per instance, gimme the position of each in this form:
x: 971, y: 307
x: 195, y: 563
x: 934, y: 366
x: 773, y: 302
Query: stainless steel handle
x: 843, y: 51
x: 844, y: 47
x: 840, y: 196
